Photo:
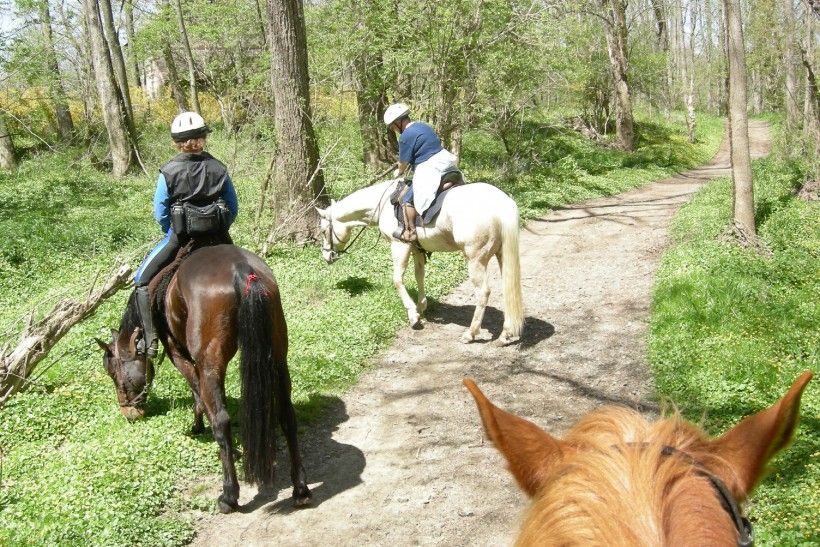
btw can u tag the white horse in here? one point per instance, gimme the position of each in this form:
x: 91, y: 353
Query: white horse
x: 477, y: 219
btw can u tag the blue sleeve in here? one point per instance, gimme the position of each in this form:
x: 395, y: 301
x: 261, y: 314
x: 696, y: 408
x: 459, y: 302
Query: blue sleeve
x: 405, y: 148
x: 229, y: 196
x: 162, y: 212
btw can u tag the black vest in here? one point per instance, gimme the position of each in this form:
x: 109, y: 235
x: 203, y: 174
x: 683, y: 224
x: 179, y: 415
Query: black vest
x: 198, y: 179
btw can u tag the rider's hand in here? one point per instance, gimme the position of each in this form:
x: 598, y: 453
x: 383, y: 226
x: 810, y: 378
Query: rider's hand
x: 397, y: 173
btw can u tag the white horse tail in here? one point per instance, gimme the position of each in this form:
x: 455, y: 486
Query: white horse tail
x: 511, y: 275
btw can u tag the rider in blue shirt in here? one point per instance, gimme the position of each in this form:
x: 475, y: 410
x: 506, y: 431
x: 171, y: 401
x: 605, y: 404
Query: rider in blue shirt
x: 420, y: 148
x: 192, y: 176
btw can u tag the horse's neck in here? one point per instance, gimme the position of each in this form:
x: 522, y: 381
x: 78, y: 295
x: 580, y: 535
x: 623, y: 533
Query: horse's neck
x: 364, y: 204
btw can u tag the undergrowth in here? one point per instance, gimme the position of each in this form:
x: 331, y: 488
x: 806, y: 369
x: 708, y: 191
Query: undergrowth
x: 732, y: 328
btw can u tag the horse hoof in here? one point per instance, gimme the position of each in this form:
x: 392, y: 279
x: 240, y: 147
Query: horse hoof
x: 506, y: 340
x: 467, y: 337
x: 226, y: 507
x: 303, y: 498
x: 197, y: 429
x: 417, y: 325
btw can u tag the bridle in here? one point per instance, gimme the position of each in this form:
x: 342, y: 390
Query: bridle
x: 334, y: 254
x: 141, y: 397
x: 331, y: 233
x: 727, y: 501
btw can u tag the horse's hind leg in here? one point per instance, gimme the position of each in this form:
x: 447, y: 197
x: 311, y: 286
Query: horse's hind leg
x: 477, y: 267
x: 287, y: 420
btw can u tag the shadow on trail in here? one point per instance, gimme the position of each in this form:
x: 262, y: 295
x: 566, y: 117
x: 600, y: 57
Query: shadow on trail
x: 535, y: 330
x: 337, y: 466
x: 583, y: 389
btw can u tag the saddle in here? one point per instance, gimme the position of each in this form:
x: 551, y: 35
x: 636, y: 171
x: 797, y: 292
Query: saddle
x: 158, y: 286
x: 449, y: 180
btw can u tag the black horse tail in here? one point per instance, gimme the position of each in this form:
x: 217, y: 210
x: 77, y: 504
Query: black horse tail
x: 258, y: 413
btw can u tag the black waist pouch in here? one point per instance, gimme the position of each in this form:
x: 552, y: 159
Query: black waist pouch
x: 196, y: 220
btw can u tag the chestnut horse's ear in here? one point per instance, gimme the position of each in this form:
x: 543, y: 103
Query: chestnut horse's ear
x: 749, y: 445
x: 529, y: 450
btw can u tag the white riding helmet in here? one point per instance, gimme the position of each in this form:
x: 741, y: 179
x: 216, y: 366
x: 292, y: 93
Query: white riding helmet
x: 188, y: 125
x: 395, y: 112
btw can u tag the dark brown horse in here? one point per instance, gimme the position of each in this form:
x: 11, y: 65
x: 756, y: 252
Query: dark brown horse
x: 221, y: 297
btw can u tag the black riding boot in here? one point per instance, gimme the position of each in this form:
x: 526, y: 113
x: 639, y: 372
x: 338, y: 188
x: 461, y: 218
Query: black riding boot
x: 148, y: 344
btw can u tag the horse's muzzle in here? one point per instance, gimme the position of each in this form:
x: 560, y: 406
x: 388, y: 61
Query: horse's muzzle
x: 132, y: 413
x: 330, y: 256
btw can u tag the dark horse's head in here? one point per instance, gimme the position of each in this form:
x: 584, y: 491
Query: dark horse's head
x: 131, y: 371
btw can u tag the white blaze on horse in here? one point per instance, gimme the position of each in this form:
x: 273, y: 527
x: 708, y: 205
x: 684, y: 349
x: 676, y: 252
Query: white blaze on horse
x: 477, y: 219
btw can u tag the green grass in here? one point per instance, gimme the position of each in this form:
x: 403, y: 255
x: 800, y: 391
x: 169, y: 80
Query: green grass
x: 73, y: 470
x: 731, y: 329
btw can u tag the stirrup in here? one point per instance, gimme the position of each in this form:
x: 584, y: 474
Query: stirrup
x: 153, y: 349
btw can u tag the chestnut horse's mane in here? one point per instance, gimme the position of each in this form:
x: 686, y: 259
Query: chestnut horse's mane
x: 618, y: 484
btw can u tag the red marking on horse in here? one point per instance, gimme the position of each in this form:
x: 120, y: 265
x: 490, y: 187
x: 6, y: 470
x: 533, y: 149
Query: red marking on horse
x: 251, y: 278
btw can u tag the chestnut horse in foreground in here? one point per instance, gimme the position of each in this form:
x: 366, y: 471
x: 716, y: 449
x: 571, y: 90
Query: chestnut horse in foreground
x: 221, y: 297
x: 617, y: 479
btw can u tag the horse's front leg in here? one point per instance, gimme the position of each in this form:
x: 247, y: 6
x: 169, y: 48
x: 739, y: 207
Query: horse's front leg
x: 401, y: 256
x: 212, y: 393
x: 419, y: 260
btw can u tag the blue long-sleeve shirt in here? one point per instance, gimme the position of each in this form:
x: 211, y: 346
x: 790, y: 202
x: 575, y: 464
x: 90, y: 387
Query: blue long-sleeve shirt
x: 162, y: 202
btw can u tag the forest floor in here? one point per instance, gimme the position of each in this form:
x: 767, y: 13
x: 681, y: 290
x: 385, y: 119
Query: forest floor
x: 402, y: 459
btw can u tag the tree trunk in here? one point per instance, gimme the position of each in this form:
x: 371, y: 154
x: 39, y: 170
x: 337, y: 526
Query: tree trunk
x: 173, y: 78
x: 65, y: 125
x: 84, y: 66
x: 686, y: 56
x: 189, y: 57
x: 113, y: 110
x: 7, y: 159
x: 371, y: 102
x: 791, y: 98
x: 616, y: 38
x: 713, y: 87
x: 299, y: 179
x: 662, y: 43
x: 117, y: 60
x: 743, y: 207
x: 133, y: 62
x: 661, y: 34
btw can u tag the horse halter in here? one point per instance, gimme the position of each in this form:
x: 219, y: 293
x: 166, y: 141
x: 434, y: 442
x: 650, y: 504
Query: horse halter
x: 727, y: 501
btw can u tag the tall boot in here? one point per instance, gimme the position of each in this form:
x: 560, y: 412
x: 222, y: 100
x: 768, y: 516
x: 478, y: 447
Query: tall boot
x: 409, y: 235
x: 149, y: 336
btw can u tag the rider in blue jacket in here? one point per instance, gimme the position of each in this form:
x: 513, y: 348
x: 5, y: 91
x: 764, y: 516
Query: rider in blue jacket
x: 420, y: 148
x: 194, y: 177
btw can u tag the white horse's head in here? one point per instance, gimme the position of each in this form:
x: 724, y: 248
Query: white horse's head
x: 335, y: 233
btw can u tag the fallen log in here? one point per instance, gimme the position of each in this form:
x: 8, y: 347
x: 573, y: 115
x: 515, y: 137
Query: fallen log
x: 39, y: 337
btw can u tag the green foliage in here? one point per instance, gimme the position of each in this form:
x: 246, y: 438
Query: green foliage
x: 732, y: 328
x: 74, y: 471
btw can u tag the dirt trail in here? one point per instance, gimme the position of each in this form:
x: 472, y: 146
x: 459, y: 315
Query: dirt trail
x: 401, y: 460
